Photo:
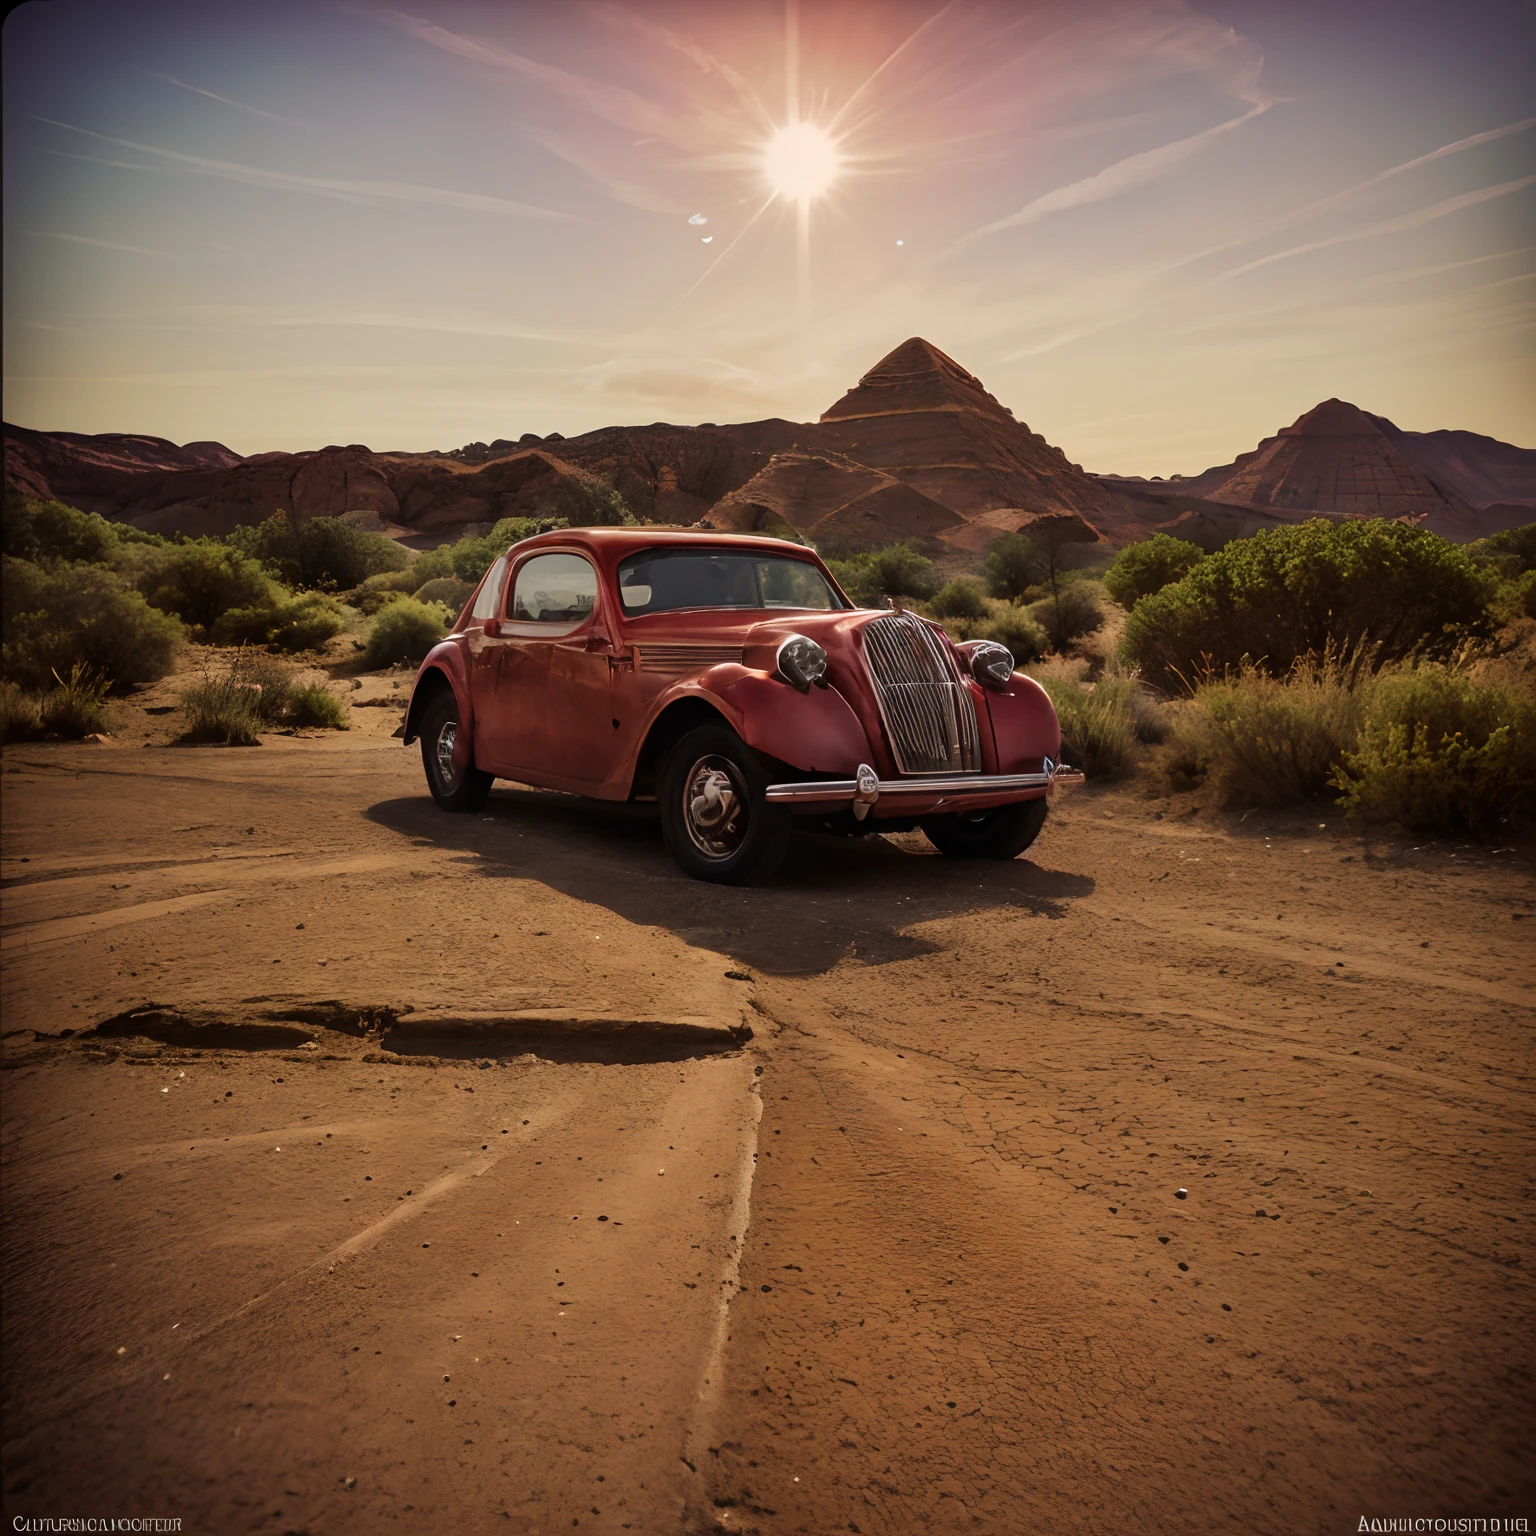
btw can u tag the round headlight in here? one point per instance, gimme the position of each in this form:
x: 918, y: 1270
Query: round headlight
x: 990, y: 663
x: 801, y: 662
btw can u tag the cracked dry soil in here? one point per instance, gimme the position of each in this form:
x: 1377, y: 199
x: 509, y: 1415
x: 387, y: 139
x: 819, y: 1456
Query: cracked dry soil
x: 484, y: 1174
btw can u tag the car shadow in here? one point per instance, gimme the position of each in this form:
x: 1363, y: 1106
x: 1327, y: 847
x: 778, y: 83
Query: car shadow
x: 835, y: 898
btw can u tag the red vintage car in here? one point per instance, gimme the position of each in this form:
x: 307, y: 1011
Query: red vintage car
x: 731, y: 680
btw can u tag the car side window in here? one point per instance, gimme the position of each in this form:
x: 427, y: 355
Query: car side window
x: 554, y: 589
x: 488, y: 599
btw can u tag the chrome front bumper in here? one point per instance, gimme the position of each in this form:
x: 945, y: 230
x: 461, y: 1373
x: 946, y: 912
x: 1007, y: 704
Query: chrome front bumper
x: 893, y: 796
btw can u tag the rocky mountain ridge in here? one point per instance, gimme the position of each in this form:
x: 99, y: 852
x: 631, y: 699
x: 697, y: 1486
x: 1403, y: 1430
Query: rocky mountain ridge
x: 918, y: 450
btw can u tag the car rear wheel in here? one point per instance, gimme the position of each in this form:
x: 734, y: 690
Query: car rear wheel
x: 715, y: 817
x: 1003, y: 833
x: 454, y: 789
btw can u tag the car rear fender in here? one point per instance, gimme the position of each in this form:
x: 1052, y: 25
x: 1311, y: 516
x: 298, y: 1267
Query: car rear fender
x: 443, y: 668
x: 1024, y: 725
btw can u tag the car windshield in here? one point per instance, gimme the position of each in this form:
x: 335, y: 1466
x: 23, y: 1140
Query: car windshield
x: 661, y: 580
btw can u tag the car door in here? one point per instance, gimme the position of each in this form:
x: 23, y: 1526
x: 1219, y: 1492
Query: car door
x: 485, y: 656
x: 551, y: 719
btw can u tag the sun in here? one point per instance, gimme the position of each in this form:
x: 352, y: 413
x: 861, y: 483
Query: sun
x: 801, y: 161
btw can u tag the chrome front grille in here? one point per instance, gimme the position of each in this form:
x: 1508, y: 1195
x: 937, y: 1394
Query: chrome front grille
x: 930, y: 720
x: 684, y: 658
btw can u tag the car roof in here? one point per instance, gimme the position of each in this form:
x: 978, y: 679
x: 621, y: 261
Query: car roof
x: 609, y: 545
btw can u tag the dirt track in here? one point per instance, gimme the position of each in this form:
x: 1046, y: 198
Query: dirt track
x: 913, y: 1260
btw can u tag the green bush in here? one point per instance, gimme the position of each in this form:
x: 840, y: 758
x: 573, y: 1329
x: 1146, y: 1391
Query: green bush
x: 55, y: 618
x: 1513, y: 551
x: 378, y: 590
x: 588, y: 502
x: 1013, y: 565
x: 959, y: 599
x: 1068, y: 615
x: 325, y: 554
x: 1096, y: 728
x: 48, y: 532
x: 1141, y: 569
x: 447, y: 590
x: 405, y: 631
x: 314, y: 704
x: 201, y: 580
x: 469, y: 559
x: 897, y: 570
x: 1011, y: 627
x: 300, y: 623
x: 1378, y: 589
x: 1442, y: 750
x: 1261, y: 740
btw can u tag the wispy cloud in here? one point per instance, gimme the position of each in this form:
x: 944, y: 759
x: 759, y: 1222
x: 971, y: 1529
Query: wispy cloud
x: 1122, y: 176
x: 105, y: 245
x: 1412, y: 220
x: 228, y: 101
x: 1342, y: 199
x: 371, y: 193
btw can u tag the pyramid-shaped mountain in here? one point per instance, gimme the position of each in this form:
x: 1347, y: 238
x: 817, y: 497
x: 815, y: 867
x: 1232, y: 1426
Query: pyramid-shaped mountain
x: 920, y: 417
x: 1336, y: 458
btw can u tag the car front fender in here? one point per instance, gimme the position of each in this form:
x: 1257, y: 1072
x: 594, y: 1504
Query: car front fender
x: 815, y: 731
x: 1024, y: 725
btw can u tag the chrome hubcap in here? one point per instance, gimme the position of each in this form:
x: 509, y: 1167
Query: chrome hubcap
x: 444, y: 749
x: 713, y: 809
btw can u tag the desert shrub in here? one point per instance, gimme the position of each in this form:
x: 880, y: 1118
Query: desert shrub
x: 1440, y: 749
x: 300, y: 623
x: 384, y: 588
x: 21, y: 719
x: 447, y: 590
x: 959, y: 599
x: 326, y: 554
x: 469, y: 559
x: 405, y: 631
x: 49, y: 532
x: 1151, y: 715
x: 200, y: 580
x: 315, y: 704
x: 56, y: 617
x: 1375, y: 588
x: 897, y: 570
x: 1261, y: 740
x: 1096, y: 729
x: 1073, y: 611
x: 1141, y: 569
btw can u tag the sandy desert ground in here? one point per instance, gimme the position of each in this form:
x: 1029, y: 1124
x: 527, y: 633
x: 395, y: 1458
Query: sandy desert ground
x: 369, y: 1169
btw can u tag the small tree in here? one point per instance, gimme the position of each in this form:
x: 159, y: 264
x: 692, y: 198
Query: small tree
x: 959, y: 599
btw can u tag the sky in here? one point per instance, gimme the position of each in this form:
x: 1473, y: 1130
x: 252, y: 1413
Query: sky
x: 1157, y: 230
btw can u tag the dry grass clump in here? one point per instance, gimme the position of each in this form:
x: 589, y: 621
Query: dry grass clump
x: 1098, y: 731
x: 1254, y: 739
x: 254, y: 693
x: 72, y: 708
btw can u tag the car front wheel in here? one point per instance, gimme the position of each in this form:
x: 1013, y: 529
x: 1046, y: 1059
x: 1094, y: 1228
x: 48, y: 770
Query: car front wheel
x: 454, y: 789
x: 715, y: 818
x: 1003, y: 833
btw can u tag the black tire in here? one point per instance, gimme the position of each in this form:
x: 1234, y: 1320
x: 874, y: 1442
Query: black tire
x: 464, y: 789
x: 1003, y: 833
x: 714, y: 817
